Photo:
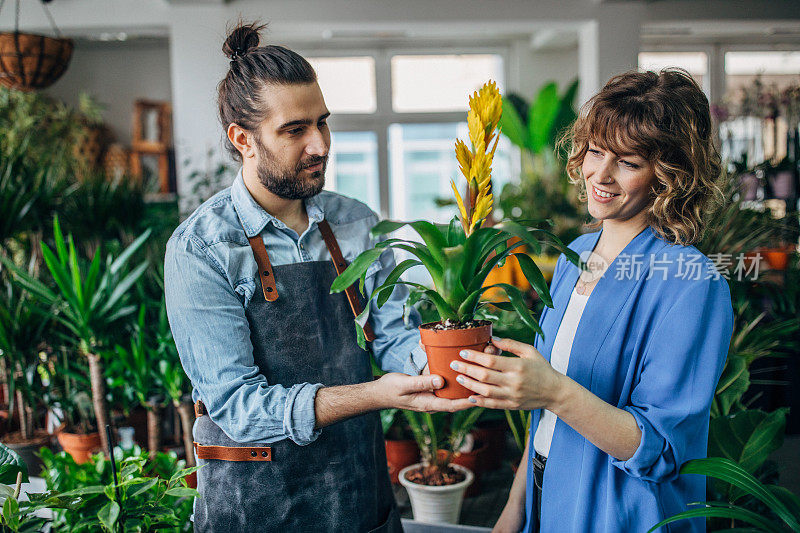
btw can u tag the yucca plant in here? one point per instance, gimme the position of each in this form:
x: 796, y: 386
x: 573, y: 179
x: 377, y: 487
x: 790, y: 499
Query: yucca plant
x: 782, y: 504
x: 460, y: 256
x: 445, y: 432
x: 89, y: 302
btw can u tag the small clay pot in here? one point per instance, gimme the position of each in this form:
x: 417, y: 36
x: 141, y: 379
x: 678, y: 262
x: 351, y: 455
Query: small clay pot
x: 400, y: 454
x: 442, y: 347
x: 80, y: 447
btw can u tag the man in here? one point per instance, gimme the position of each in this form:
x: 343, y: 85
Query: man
x: 287, y: 435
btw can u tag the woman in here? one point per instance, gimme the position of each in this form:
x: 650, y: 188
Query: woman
x: 621, y: 383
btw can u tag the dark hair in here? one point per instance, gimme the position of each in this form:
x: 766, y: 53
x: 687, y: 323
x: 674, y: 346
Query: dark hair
x: 240, y: 97
x: 663, y: 117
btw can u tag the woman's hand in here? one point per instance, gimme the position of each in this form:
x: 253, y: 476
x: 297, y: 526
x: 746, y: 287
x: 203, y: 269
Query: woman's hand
x: 524, y: 382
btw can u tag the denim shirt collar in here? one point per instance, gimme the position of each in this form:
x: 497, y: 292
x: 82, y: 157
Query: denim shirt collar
x: 254, y: 218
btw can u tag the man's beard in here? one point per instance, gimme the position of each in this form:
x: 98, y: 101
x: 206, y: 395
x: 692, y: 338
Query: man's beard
x: 289, y: 184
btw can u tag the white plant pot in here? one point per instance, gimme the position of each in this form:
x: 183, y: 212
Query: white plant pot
x: 436, y: 505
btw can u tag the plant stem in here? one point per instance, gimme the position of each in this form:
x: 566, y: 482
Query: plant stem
x: 153, y: 428
x: 186, y: 412
x: 24, y: 428
x: 98, y: 395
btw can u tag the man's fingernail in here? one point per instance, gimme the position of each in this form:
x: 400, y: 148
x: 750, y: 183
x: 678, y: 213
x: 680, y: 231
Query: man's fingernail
x: 473, y: 400
x: 437, y: 382
x: 454, y: 365
x: 464, y: 354
x: 495, y: 338
x: 460, y: 379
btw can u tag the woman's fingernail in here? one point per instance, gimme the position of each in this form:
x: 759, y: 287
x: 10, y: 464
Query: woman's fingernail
x: 464, y: 354
x: 460, y: 379
x: 473, y: 400
x: 454, y: 365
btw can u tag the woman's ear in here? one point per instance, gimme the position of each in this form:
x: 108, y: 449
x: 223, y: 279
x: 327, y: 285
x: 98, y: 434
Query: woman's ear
x: 242, y: 140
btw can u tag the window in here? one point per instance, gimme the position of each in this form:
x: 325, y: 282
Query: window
x: 348, y: 83
x: 353, y: 166
x: 440, y: 82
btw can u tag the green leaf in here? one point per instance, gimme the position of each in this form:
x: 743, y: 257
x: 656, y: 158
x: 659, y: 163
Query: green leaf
x: 732, y: 473
x: 137, y: 489
x: 518, y: 301
x: 11, y: 513
x: 183, y: 473
x: 535, y: 277
x: 455, y: 233
x: 108, y: 515
x: 10, y: 465
x: 355, y: 269
x: 117, y: 265
x: 748, y: 437
x: 731, y: 512
x: 83, y: 491
x: 387, y: 418
x: 541, y: 117
x: 733, y: 383
x: 182, y: 492
x: 393, y: 276
x: 431, y: 235
x: 512, y: 127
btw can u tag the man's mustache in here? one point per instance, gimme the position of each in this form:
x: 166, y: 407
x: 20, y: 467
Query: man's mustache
x: 314, y: 160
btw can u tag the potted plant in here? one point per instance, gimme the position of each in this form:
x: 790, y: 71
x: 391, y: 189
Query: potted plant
x: 436, y: 486
x: 22, y: 326
x: 88, y: 301
x: 460, y: 256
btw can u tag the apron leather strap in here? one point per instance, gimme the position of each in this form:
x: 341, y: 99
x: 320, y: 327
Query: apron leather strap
x: 264, y: 268
x: 233, y: 453
x: 340, y: 264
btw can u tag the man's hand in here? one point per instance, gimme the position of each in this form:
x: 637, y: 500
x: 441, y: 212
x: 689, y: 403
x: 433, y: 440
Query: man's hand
x: 415, y: 393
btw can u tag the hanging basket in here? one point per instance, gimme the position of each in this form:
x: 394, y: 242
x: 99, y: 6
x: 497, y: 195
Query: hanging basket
x: 29, y: 61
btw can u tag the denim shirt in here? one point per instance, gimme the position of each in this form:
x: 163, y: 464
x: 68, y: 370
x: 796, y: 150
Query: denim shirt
x: 209, y: 279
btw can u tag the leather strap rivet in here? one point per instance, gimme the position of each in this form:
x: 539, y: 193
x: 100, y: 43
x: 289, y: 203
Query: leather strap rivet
x: 263, y: 454
x: 269, y: 289
x: 253, y: 454
x: 266, y: 272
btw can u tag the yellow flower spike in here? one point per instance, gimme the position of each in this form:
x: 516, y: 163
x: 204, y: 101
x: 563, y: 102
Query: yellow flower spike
x: 485, y: 109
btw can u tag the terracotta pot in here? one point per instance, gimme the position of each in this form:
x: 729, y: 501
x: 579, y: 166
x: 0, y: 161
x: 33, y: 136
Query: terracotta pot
x: 80, y: 447
x: 400, y: 454
x: 777, y: 258
x: 28, y: 449
x: 493, y: 433
x: 443, y: 346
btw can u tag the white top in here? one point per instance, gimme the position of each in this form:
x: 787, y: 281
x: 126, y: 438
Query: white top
x: 559, y: 360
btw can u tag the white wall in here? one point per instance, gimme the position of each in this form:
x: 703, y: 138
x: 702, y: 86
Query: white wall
x: 117, y: 74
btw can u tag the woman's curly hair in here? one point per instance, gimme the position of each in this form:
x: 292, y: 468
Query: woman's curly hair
x: 663, y: 117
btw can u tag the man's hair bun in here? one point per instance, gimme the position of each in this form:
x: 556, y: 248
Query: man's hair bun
x: 242, y: 39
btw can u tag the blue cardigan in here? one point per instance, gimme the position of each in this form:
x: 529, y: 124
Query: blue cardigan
x: 654, y: 347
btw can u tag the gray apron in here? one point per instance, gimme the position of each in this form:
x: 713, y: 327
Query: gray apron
x: 340, y: 481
